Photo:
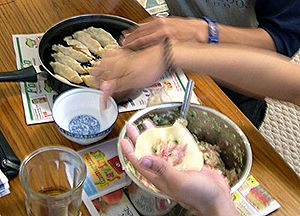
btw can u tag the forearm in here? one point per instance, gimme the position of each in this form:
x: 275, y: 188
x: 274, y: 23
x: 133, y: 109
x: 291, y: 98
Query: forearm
x: 250, y: 71
x: 228, y: 207
x: 222, y: 206
x: 254, y: 37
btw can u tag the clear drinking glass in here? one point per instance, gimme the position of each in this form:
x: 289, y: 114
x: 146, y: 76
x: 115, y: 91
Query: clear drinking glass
x: 52, y: 178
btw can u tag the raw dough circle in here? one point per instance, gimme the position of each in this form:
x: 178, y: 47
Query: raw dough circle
x: 193, y: 158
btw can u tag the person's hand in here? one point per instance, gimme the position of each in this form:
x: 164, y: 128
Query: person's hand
x: 205, y: 191
x: 154, y: 31
x: 122, y: 70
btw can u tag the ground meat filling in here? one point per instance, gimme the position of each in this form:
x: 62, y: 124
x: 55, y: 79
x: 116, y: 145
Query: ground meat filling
x: 171, y: 151
x: 212, y: 158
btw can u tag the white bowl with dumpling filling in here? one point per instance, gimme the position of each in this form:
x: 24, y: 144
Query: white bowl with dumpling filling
x: 81, y: 116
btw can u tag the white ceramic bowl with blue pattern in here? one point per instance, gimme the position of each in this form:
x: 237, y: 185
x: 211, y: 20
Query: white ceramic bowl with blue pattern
x: 79, y: 118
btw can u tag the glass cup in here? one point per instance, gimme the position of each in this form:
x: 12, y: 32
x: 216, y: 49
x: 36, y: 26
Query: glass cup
x: 52, y: 178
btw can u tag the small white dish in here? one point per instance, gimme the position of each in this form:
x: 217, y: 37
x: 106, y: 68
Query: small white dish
x: 78, y: 117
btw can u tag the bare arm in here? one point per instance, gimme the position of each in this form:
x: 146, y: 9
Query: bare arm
x: 254, y: 72
x: 193, y: 30
x: 254, y: 37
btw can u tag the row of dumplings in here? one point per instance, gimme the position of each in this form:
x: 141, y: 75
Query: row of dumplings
x: 85, y: 47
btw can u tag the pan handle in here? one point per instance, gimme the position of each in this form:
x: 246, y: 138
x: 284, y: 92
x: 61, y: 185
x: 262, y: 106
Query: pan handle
x: 28, y: 74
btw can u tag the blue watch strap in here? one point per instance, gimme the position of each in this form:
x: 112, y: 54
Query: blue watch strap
x: 213, y: 30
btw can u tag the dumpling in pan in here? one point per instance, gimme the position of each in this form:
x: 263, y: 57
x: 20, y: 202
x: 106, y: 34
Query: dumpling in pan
x: 60, y: 78
x: 93, y: 63
x: 77, y: 45
x: 67, y: 60
x: 174, y: 144
x: 69, y: 51
x: 111, y: 47
x: 89, y: 80
x: 104, y: 37
x: 93, y: 45
x: 88, y: 69
x: 66, y: 72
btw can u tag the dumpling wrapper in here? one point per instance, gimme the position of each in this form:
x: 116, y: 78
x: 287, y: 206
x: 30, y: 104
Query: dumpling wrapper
x: 102, y: 36
x: 69, y: 51
x: 93, y: 45
x: 60, y: 78
x: 77, y: 45
x: 89, y: 80
x: 67, y: 60
x: 111, y: 47
x: 193, y: 159
x: 66, y: 72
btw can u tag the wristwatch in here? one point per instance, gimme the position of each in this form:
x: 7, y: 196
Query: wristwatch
x: 213, y: 30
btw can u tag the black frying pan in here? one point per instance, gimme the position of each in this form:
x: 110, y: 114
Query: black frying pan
x: 55, y: 35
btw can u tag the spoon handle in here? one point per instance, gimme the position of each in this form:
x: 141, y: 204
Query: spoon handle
x: 186, y: 100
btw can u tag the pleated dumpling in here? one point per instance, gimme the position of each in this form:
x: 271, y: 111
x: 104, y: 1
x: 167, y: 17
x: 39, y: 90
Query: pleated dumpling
x: 93, y: 45
x: 67, y: 60
x: 89, y: 80
x: 66, y: 72
x: 111, y: 47
x: 102, y: 36
x: 69, y: 51
x: 77, y: 45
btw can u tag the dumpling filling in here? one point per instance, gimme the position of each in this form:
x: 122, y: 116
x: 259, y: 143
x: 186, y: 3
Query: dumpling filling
x: 174, y: 144
x: 170, y: 150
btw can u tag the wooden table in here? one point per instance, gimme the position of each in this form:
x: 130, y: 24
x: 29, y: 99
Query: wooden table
x: 34, y: 16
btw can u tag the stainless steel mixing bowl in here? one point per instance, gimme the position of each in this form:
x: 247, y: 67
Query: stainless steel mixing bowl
x: 208, y: 125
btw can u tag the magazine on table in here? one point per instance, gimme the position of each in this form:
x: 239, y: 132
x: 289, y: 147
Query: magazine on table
x: 102, y: 190
x: 113, y: 204
x: 252, y: 199
x: 4, y: 185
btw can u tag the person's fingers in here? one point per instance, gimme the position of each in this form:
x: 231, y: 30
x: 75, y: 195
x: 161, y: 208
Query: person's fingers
x: 114, y: 86
x: 107, y: 89
x: 97, y: 82
x: 123, y: 82
x: 160, y: 173
x: 109, y: 60
x: 144, y: 36
x: 128, y: 151
x: 106, y: 72
x: 141, y: 31
x: 130, y: 30
x: 142, y: 42
x: 157, y: 166
x: 96, y: 63
x: 144, y: 23
x: 132, y: 132
x: 148, y: 123
x: 99, y: 68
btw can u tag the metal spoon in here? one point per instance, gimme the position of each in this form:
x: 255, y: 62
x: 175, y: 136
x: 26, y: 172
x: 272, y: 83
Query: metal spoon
x: 186, y: 103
